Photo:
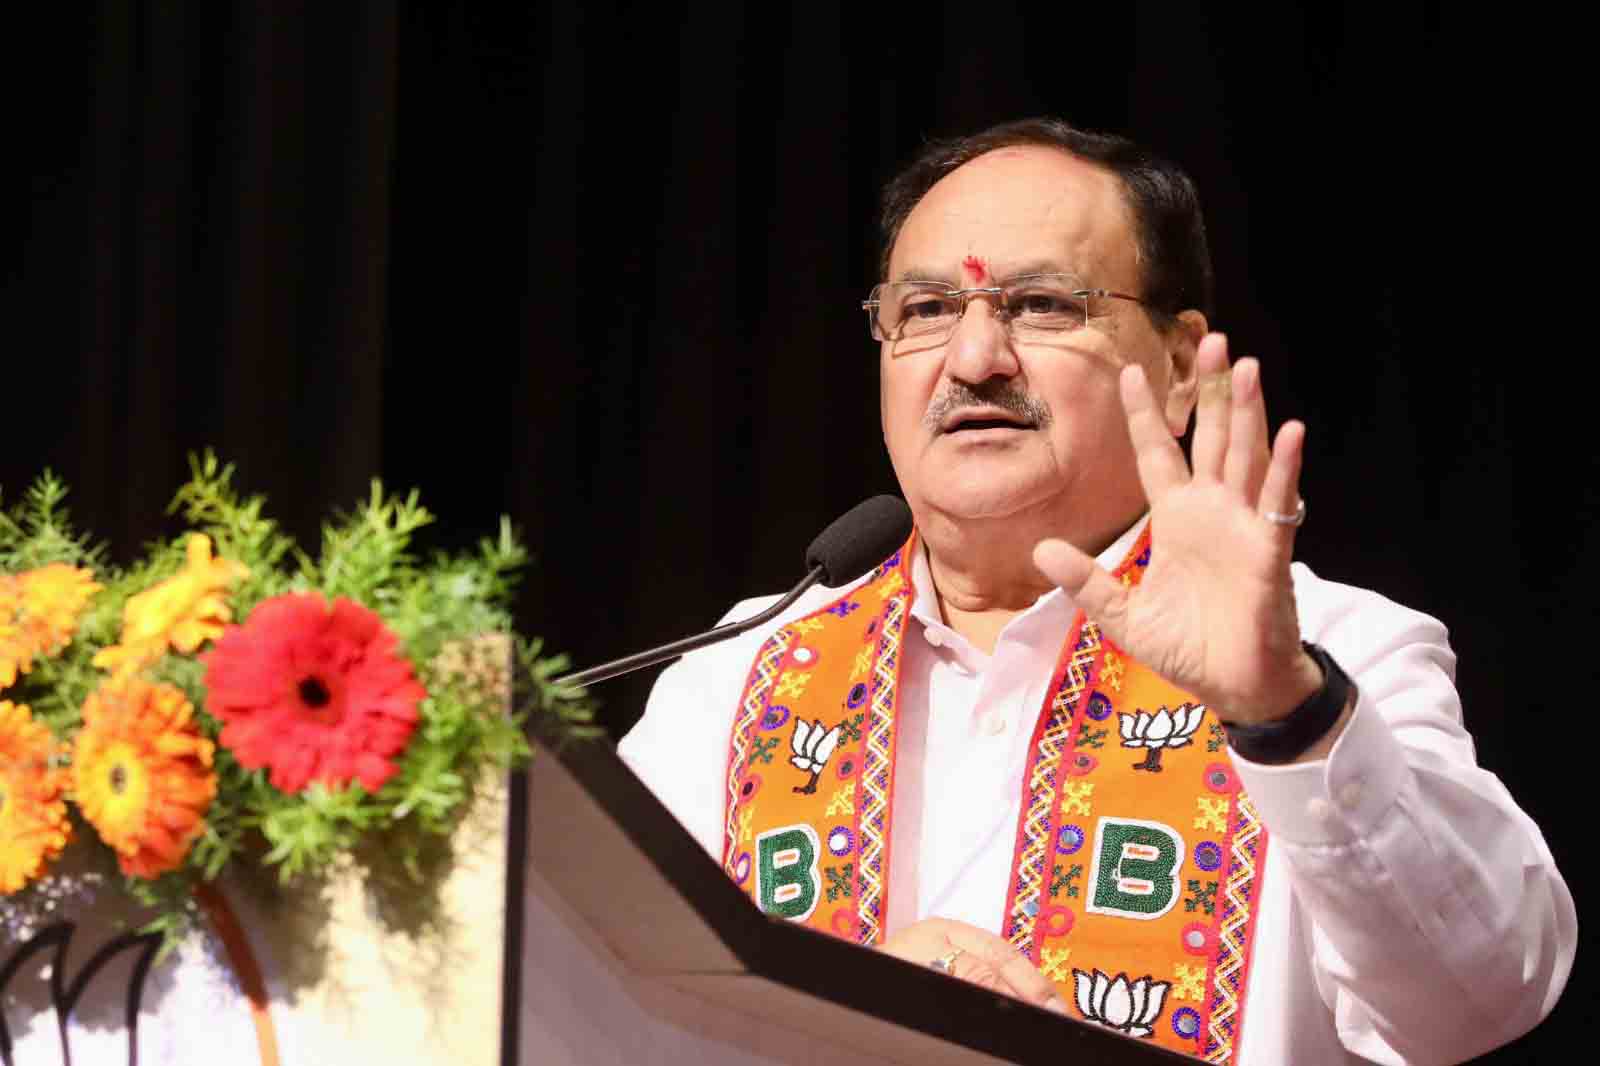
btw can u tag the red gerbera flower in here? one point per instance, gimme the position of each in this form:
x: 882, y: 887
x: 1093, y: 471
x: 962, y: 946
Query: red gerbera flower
x: 313, y: 694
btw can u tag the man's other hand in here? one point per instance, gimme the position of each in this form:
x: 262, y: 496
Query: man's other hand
x: 979, y: 956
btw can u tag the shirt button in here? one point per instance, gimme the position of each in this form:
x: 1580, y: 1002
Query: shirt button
x: 1319, y: 808
x: 934, y: 636
x: 1350, y: 795
x: 994, y: 724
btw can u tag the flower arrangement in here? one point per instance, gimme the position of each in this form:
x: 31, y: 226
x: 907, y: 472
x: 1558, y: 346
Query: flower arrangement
x: 231, y: 702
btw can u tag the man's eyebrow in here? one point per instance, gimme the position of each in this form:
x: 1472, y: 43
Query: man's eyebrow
x: 1019, y: 270
x: 916, y: 274
x: 1039, y: 266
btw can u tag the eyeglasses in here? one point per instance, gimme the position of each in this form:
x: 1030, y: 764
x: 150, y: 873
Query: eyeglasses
x: 1032, y: 306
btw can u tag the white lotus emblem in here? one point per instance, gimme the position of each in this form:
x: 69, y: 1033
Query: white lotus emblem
x: 1164, y: 729
x: 812, y: 745
x: 1129, y: 1008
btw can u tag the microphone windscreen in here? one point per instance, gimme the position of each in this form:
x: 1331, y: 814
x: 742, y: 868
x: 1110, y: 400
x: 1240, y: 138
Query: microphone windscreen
x: 859, y: 539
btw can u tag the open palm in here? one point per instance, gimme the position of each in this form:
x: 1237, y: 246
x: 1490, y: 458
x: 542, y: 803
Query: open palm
x: 1214, y: 613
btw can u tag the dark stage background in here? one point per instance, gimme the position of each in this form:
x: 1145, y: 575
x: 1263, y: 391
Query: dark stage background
x: 596, y: 266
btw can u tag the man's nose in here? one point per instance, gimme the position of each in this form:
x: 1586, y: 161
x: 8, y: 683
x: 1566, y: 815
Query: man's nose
x: 980, y: 346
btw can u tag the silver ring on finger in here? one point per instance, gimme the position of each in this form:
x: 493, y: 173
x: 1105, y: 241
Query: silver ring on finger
x: 946, y: 963
x: 1298, y: 518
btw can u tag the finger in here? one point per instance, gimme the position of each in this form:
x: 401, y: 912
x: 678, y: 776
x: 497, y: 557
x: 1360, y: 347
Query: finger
x: 1280, y: 489
x: 1031, y: 985
x: 1161, y: 465
x: 1014, y: 969
x: 1247, y: 433
x: 1102, y: 597
x: 1211, y: 438
x: 973, y: 968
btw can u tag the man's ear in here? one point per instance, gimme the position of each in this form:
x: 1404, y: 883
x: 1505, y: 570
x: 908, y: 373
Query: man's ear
x: 1183, y: 342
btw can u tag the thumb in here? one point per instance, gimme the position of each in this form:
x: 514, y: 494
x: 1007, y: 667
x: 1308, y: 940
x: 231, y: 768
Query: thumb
x: 1101, y: 596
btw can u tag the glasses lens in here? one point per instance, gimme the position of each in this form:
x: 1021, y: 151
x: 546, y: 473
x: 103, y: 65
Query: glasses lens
x: 1045, y: 303
x: 916, y: 309
x: 1034, y: 305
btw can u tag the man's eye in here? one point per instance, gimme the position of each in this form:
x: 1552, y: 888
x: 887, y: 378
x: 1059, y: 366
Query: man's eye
x: 1039, y: 304
x: 926, y: 308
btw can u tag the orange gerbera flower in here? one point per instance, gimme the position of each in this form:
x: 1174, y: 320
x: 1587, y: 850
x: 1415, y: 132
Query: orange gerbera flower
x: 16, y: 647
x: 33, y: 815
x: 142, y: 773
x: 39, y: 612
x: 184, y: 611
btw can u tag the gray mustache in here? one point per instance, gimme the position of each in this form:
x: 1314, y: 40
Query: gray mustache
x: 999, y: 394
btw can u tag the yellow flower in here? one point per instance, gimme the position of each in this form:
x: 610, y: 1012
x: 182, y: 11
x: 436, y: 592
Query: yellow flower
x: 142, y: 774
x: 33, y: 815
x: 39, y: 612
x: 53, y: 597
x: 16, y: 647
x: 183, y: 611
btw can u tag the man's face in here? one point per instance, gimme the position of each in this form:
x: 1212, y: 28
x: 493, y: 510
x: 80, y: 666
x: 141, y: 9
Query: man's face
x: 1065, y: 457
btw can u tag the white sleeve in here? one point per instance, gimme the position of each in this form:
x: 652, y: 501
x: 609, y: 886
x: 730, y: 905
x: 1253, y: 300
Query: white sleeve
x: 1441, y: 925
x: 679, y: 747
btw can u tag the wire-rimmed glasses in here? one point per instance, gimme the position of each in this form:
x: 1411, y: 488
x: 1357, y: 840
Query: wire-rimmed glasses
x: 1032, y: 306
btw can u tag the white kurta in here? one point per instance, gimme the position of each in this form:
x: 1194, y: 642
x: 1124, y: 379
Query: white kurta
x: 1411, y: 912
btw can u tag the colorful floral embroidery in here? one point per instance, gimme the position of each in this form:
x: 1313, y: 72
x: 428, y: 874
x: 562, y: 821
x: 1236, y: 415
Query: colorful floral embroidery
x: 792, y: 685
x: 1071, y: 792
x: 1053, y: 963
x: 841, y: 841
x: 1076, y: 798
x: 1201, y: 895
x: 1064, y: 878
x: 1189, y: 981
x: 1212, y: 814
x: 1069, y: 839
x: 1220, y: 778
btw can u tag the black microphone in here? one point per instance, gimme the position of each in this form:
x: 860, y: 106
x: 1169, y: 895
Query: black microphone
x: 853, y: 543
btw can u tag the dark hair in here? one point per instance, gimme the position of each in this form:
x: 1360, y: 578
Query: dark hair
x: 1162, y: 198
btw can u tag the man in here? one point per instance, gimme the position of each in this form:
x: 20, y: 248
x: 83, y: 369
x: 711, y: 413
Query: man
x: 1305, y: 866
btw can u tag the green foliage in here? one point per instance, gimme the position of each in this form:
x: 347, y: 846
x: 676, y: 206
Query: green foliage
x: 35, y: 532
x: 542, y: 695
x: 451, y: 613
x: 237, y: 530
x: 38, y: 531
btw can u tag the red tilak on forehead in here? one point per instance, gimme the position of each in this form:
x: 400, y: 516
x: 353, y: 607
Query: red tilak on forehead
x: 976, y: 268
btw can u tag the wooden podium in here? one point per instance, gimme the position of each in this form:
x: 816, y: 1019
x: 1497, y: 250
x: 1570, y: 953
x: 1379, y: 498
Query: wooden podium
x: 634, y: 947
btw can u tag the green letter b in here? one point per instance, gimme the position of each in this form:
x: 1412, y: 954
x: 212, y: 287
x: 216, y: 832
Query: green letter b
x: 1135, y: 868
x: 788, y: 883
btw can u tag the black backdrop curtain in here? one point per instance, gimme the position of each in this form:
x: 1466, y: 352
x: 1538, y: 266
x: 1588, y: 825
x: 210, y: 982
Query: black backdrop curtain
x: 596, y: 266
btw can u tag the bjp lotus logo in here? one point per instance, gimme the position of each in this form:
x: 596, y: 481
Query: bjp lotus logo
x: 1129, y: 1008
x: 1164, y: 729
x: 812, y: 745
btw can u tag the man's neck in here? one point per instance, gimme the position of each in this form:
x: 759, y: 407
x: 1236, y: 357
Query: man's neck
x: 983, y: 573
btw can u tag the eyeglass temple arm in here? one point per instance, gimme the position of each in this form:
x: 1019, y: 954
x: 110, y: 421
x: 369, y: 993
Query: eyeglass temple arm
x: 1107, y: 293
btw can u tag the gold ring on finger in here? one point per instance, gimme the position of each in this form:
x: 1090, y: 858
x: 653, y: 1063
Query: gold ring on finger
x: 946, y: 963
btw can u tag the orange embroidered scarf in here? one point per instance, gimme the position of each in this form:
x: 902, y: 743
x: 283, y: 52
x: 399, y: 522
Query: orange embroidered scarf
x: 1132, y: 881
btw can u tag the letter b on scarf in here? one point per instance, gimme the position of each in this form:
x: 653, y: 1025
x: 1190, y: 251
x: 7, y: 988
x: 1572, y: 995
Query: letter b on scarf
x: 1135, y: 868
x: 788, y: 882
